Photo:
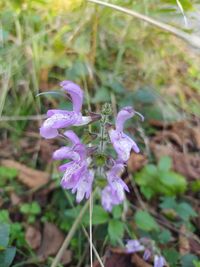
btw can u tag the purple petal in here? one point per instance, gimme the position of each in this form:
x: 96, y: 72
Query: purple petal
x: 147, y: 254
x: 123, y: 115
x: 57, y: 121
x: 134, y: 246
x: 84, y: 186
x: 65, y: 153
x: 83, y: 120
x: 72, y: 137
x: 51, y: 112
x: 76, y: 94
x: 159, y: 261
x: 122, y: 144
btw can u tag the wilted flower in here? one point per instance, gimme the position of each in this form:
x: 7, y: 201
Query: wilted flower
x: 122, y: 143
x: 134, y: 246
x: 58, y: 119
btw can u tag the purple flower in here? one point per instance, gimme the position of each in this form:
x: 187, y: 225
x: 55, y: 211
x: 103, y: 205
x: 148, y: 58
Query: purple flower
x: 76, y: 174
x: 109, y: 198
x: 122, y: 143
x: 147, y: 254
x: 134, y: 246
x: 159, y: 261
x: 58, y: 119
x: 84, y: 186
x: 116, y: 183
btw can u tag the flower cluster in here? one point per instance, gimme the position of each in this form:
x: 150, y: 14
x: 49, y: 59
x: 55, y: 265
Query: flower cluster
x: 77, y: 172
x: 148, y: 246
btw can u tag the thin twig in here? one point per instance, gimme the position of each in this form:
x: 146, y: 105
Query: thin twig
x: 191, y: 39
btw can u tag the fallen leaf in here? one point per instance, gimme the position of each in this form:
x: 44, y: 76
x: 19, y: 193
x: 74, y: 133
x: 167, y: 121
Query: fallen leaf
x: 136, y: 162
x: 138, y: 261
x: 33, y: 237
x: 15, y: 200
x: 184, y: 245
x: 28, y: 176
x: 52, y: 239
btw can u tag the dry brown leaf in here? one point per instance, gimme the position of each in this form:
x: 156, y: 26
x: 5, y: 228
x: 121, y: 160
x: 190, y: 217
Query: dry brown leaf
x: 184, y: 245
x: 139, y: 262
x: 52, y: 240
x: 136, y: 162
x: 15, y: 200
x: 33, y: 237
x: 30, y: 177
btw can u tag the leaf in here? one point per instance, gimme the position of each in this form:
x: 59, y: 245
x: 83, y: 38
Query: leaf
x: 115, y: 230
x: 7, y: 256
x: 35, y: 208
x: 99, y: 215
x: 165, y: 163
x: 185, y: 211
x: 117, y: 211
x: 175, y: 182
x: 187, y: 260
x: 4, y: 235
x: 8, y: 173
x: 168, y: 203
x: 30, y: 177
x: 165, y: 236
x: 171, y: 255
x: 4, y: 216
x: 145, y: 221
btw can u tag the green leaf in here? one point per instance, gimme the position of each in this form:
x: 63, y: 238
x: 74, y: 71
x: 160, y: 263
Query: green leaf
x: 165, y: 236
x: 145, y: 221
x: 168, y: 203
x: 35, y: 208
x: 8, y: 173
x: 171, y: 255
x: 117, y: 212
x: 7, y: 256
x: 174, y: 182
x: 185, y: 211
x: 99, y: 215
x: 4, y: 216
x: 115, y: 230
x: 187, y: 260
x: 165, y: 163
x: 196, y: 263
x: 4, y: 235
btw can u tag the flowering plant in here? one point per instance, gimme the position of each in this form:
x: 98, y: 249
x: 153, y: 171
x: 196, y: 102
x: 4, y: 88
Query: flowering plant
x: 79, y: 170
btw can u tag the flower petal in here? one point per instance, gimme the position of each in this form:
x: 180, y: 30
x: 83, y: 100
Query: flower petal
x: 123, y: 115
x: 57, y: 121
x: 76, y: 94
x: 72, y: 137
x: 65, y: 153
